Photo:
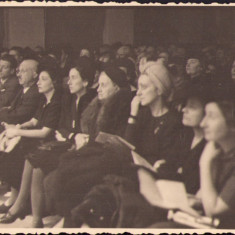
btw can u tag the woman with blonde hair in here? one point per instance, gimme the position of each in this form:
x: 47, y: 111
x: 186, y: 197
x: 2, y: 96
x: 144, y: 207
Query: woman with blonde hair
x: 153, y: 127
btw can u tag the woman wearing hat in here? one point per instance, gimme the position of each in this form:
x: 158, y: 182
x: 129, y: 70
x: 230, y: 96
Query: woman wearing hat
x: 79, y: 170
x: 33, y: 133
x: 152, y: 126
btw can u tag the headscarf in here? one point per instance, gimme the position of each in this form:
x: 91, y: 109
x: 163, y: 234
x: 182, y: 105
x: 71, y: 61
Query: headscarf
x: 159, y: 75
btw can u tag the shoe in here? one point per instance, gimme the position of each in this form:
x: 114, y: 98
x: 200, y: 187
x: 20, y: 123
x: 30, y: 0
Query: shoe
x: 4, y: 209
x: 8, y: 218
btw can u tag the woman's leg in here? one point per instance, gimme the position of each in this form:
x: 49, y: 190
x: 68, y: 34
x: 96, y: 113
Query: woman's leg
x: 11, y: 200
x: 23, y: 195
x: 37, y: 198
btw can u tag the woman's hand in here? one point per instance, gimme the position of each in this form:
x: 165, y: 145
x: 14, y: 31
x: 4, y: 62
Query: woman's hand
x: 158, y: 164
x: 81, y: 140
x: 10, y: 126
x: 59, y: 137
x: 210, y: 152
x: 11, y: 132
x: 135, y: 103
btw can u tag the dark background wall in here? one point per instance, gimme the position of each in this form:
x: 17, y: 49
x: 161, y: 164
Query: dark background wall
x: 92, y: 26
x: 80, y: 27
x: 184, y: 24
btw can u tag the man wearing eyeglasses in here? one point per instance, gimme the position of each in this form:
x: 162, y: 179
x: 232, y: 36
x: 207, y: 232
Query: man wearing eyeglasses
x: 26, y: 100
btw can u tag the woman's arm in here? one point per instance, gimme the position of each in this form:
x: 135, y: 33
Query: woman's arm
x: 131, y: 129
x: 36, y: 133
x: 31, y: 123
x: 212, y: 203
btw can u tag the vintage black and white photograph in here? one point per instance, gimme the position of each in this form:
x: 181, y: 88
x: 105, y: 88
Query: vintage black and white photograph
x: 117, y: 117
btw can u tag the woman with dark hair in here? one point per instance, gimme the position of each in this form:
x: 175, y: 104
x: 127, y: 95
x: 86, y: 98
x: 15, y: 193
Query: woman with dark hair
x: 46, y: 158
x: 33, y: 133
x: 79, y: 170
x: 217, y: 163
x: 216, y: 197
x: 192, y: 141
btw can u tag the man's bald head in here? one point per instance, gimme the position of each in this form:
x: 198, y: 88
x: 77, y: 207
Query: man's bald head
x: 28, y: 72
x: 31, y: 64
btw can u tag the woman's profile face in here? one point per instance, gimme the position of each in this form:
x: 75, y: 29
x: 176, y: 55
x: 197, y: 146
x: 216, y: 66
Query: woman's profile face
x: 106, y: 87
x: 214, y: 123
x: 75, y: 82
x: 45, y: 83
x: 147, y: 92
x: 193, y: 113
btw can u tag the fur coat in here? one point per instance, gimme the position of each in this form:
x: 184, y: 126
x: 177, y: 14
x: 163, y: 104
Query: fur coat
x: 80, y: 170
x: 109, y: 116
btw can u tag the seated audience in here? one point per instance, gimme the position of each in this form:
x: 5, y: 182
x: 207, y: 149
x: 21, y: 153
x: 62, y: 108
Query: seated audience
x: 33, y: 133
x: 45, y: 160
x: 108, y: 112
x: 9, y: 84
x: 181, y: 120
x: 217, y: 168
x: 137, y: 212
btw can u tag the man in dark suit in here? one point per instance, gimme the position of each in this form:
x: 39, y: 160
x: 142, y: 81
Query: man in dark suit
x: 9, y: 85
x: 26, y: 101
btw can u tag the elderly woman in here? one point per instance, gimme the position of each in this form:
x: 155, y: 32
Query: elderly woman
x: 152, y: 126
x: 33, y: 133
x: 79, y: 170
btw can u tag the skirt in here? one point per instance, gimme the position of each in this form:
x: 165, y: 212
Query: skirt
x: 46, y: 156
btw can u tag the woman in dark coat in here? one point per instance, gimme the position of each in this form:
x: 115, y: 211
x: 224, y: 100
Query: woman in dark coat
x: 192, y: 141
x: 33, y: 133
x: 79, y: 170
x: 153, y: 127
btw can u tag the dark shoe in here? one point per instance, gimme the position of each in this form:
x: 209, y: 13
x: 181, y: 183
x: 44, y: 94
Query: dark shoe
x: 4, y: 209
x: 8, y: 218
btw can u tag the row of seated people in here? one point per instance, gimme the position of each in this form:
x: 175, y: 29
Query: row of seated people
x: 57, y: 160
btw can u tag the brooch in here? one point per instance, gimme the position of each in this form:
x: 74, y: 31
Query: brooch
x: 157, y: 128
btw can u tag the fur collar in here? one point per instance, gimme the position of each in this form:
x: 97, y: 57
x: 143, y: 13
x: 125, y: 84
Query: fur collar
x: 109, y: 116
